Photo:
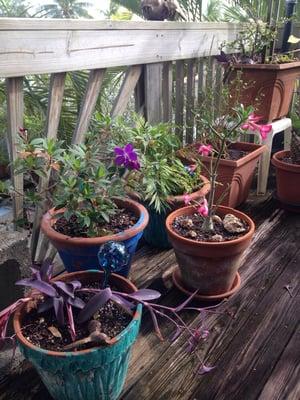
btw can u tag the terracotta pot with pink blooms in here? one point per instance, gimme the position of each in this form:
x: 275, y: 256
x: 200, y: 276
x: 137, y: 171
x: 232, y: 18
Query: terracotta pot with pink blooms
x: 236, y: 166
x: 209, y: 240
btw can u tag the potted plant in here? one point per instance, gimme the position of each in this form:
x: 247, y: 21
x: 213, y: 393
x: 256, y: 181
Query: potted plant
x: 162, y: 180
x: 209, y: 240
x: 84, y: 197
x: 78, y: 329
x: 237, y: 159
x: 287, y: 166
x: 268, y: 78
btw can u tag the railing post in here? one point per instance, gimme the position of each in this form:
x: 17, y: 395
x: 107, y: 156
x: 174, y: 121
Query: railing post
x: 15, y: 111
x: 153, y: 90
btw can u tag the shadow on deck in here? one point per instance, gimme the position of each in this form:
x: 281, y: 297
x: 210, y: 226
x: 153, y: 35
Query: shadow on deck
x: 254, y: 342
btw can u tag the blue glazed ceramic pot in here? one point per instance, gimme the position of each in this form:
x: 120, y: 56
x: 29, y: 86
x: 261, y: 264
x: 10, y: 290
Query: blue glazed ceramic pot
x: 94, y: 374
x: 80, y: 254
x: 155, y: 232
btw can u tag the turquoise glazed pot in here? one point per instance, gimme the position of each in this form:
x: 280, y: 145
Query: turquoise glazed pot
x: 94, y: 374
x: 155, y: 233
x: 80, y: 254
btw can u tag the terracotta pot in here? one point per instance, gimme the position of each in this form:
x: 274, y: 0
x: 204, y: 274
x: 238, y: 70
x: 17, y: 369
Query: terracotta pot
x: 287, y: 179
x: 81, y: 253
x: 210, y: 267
x: 92, y: 374
x: 237, y: 174
x: 270, y: 88
x: 155, y: 232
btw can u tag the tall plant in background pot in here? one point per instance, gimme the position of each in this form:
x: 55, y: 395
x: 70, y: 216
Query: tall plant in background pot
x: 162, y: 180
x: 209, y: 240
x: 220, y: 130
x: 84, y: 191
x: 269, y: 78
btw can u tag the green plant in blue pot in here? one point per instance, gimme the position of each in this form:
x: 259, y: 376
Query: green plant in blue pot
x: 162, y: 181
x: 86, y: 198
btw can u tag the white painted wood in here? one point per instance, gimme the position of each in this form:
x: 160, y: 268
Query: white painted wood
x: 179, y: 99
x: 167, y: 90
x: 131, y: 78
x: 15, y: 109
x: 88, y: 104
x: 55, y: 99
x: 43, y: 46
x: 153, y: 88
x: 190, y: 100
x: 22, y: 24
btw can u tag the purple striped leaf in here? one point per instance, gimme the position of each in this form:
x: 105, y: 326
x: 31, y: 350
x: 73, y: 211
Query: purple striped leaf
x: 58, y: 304
x: 43, y: 287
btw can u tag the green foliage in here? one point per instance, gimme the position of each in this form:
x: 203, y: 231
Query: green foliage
x: 161, y: 174
x: 66, y: 9
x: 80, y: 181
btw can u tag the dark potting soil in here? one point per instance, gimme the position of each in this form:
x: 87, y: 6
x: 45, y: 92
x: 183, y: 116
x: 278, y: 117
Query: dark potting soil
x: 120, y: 221
x: 288, y: 160
x: 37, y: 326
x: 181, y: 227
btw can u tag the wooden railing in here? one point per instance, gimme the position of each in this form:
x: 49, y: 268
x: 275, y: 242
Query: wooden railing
x: 167, y: 65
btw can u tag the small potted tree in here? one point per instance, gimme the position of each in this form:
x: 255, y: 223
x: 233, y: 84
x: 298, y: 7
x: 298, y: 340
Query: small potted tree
x: 269, y: 79
x: 162, y: 180
x: 221, y: 132
x: 78, y: 329
x: 85, y: 195
x: 209, y: 240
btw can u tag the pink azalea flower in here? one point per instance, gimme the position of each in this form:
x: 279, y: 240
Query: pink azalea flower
x: 187, y: 199
x: 254, y: 118
x: 203, y: 208
x: 205, y: 150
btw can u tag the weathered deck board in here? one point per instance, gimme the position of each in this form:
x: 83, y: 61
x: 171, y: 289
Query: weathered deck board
x: 254, y: 342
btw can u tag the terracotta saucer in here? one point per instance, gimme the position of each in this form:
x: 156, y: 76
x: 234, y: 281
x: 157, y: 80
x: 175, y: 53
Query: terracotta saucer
x: 286, y: 206
x: 180, y: 285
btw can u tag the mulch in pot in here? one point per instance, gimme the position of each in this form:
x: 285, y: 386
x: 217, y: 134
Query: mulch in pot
x: 190, y: 227
x: 120, y: 221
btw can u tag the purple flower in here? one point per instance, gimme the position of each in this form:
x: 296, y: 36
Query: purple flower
x: 127, y: 156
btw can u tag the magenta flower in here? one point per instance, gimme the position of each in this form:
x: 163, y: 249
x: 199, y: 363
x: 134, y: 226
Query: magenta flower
x: 203, y: 208
x: 251, y: 125
x: 127, y: 157
x: 187, y: 199
x: 205, y: 150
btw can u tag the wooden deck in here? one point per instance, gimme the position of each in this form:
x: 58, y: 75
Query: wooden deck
x: 254, y: 342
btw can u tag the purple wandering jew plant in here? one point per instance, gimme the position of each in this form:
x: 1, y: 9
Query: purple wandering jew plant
x: 63, y: 297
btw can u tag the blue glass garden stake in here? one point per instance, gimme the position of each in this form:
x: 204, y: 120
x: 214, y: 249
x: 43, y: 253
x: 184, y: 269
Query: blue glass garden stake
x: 112, y: 257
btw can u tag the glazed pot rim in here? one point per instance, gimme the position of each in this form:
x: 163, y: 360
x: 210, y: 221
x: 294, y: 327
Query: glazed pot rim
x: 227, y: 243
x: 48, y: 221
x: 27, y: 343
x: 279, y: 163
